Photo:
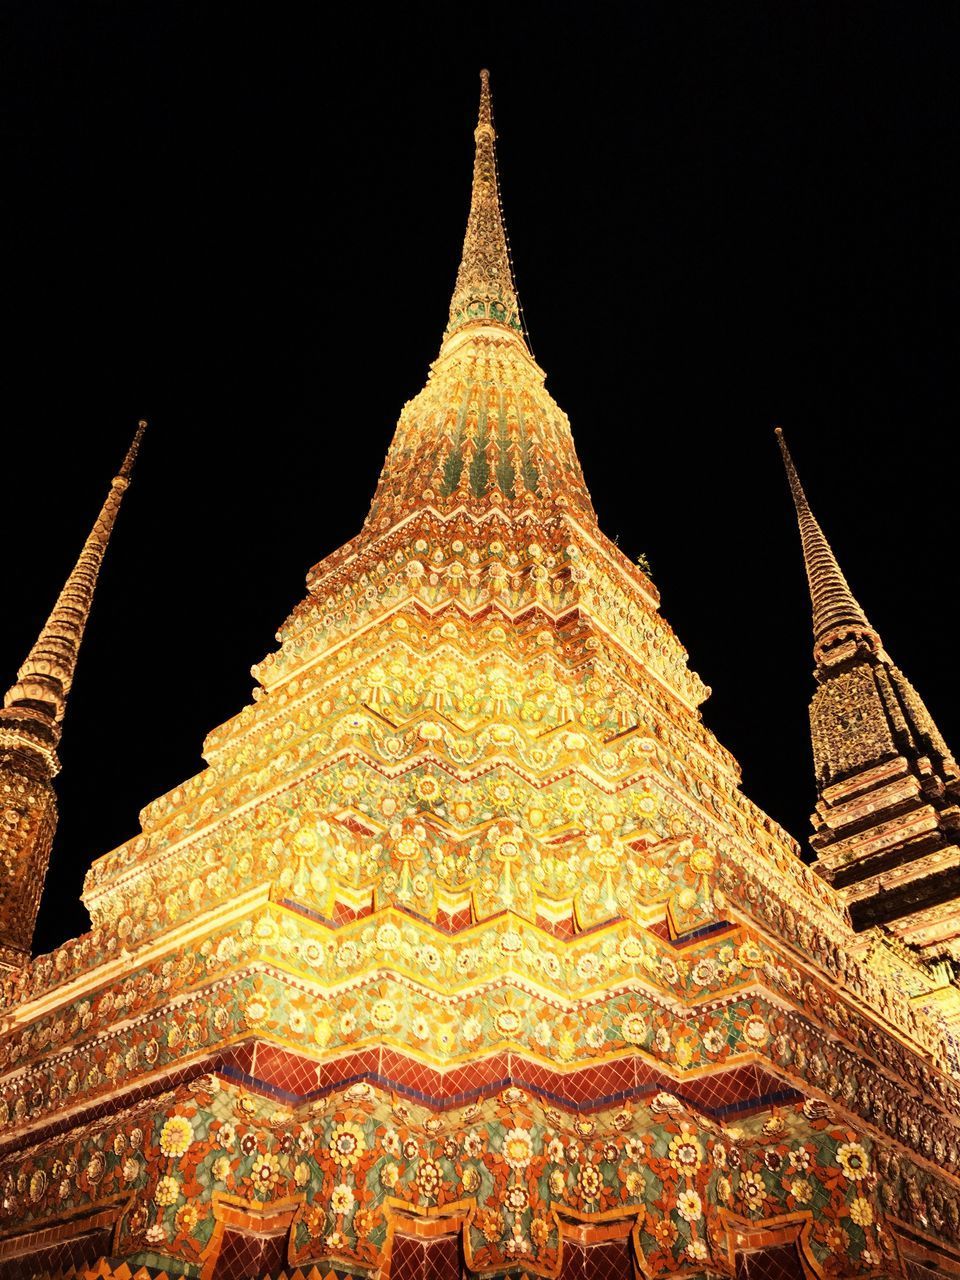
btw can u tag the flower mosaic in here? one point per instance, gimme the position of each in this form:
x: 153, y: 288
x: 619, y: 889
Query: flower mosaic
x: 519, y: 1165
x: 467, y: 920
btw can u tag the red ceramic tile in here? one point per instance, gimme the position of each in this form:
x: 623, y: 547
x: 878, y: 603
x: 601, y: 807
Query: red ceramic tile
x: 607, y: 1261
x: 79, y: 1252
x: 442, y: 1260
x: 779, y: 1262
x: 239, y: 1057
x: 565, y: 928
x: 361, y: 1064
x: 344, y: 914
x: 425, y: 1259
x: 455, y: 922
x: 607, y: 1079
x: 293, y: 1073
x: 534, y: 1076
x: 407, y: 1073
x: 245, y: 1256
x: 470, y: 1076
x: 406, y: 1260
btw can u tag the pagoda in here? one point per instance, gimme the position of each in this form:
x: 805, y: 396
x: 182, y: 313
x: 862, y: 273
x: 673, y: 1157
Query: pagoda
x: 887, y: 822
x: 465, y: 954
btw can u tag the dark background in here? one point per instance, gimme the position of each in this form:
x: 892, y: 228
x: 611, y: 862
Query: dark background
x: 243, y: 222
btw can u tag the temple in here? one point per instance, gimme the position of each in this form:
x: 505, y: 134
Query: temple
x: 464, y: 954
x: 888, y: 818
x: 30, y: 726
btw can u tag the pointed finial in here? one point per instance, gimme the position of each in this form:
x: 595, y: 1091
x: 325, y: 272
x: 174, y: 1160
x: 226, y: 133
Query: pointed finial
x: 485, y: 292
x: 486, y: 107
x: 44, y: 680
x: 126, y: 467
x: 30, y: 726
x: 834, y: 605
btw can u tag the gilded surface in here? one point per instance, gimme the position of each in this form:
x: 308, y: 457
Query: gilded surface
x: 30, y: 727
x: 466, y: 928
x: 890, y: 847
x: 484, y: 288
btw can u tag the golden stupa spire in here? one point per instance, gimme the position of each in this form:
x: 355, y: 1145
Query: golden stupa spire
x: 485, y: 291
x: 484, y: 432
x: 884, y: 826
x: 835, y: 608
x: 30, y: 726
x: 44, y: 679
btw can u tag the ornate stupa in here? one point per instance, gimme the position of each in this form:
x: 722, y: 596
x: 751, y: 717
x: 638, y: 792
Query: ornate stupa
x: 31, y: 722
x: 887, y: 822
x: 465, y: 954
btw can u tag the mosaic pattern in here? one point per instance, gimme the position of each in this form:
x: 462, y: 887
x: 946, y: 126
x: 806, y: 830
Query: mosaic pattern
x: 465, y: 950
x: 30, y: 726
x: 513, y: 1167
x: 888, y: 784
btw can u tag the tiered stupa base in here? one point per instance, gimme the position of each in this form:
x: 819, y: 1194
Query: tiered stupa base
x: 496, y: 1166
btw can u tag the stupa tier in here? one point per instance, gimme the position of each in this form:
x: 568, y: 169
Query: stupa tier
x: 465, y: 954
x: 887, y: 821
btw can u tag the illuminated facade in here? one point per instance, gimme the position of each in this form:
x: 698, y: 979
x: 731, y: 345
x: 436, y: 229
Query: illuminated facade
x: 888, y: 817
x: 465, y: 953
x: 30, y: 724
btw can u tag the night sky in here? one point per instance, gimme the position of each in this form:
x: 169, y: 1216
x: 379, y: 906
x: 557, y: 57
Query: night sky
x: 243, y: 222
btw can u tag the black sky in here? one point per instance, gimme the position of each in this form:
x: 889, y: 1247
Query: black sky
x: 243, y: 222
